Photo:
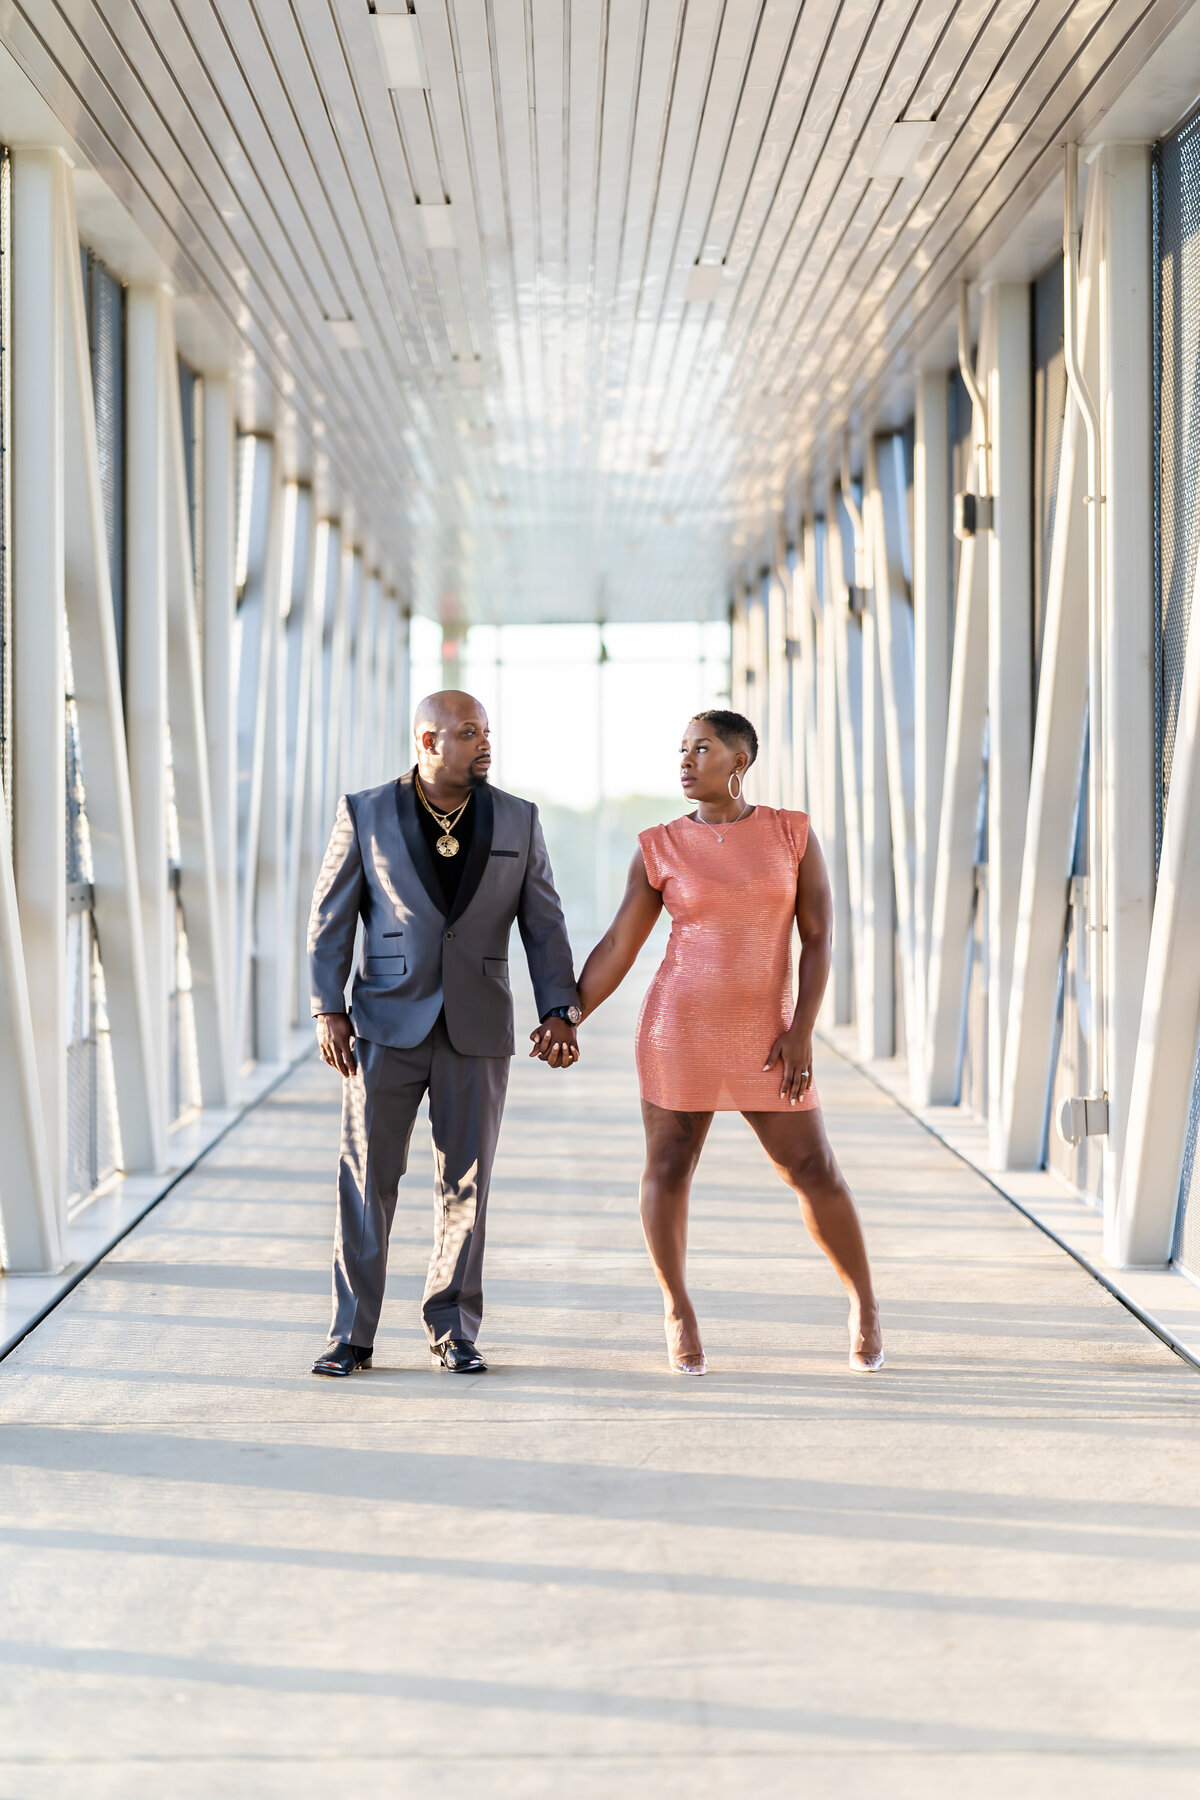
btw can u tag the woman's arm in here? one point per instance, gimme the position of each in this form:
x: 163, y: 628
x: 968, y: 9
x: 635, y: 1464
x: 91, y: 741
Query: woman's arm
x: 615, y: 954
x: 814, y: 921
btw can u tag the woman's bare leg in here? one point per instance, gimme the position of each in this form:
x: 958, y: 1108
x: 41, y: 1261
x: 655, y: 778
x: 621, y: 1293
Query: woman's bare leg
x: 797, y: 1145
x: 674, y: 1141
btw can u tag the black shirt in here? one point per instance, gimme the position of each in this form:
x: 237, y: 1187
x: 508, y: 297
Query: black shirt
x: 448, y: 869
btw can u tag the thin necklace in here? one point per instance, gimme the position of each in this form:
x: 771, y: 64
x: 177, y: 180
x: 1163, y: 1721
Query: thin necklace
x: 720, y: 835
x: 447, y: 844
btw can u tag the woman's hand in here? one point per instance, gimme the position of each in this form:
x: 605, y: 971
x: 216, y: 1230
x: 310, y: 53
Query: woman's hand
x: 793, y: 1051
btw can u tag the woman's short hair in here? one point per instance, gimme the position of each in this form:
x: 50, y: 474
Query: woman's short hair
x: 731, y: 728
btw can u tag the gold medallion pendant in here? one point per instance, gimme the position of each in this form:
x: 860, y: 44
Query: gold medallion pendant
x: 447, y: 846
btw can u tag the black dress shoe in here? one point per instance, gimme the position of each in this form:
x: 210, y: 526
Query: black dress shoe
x: 459, y: 1356
x: 343, y: 1359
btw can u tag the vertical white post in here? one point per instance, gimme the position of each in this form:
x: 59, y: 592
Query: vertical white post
x: 100, y: 718
x: 256, y: 639
x: 146, y: 653
x: 1010, y: 578
x: 219, y: 528
x: 877, y: 1018
x: 932, y: 563
x: 404, y: 699
x: 808, y: 621
x: 887, y: 520
x: 778, y: 684
x: 39, y: 680
x: 199, y: 892
x: 838, y: 1007
x: 1126, y: 406
x: 847, y: 646
x: 271, y: 935
x: 739, y: 652
x: 1142, y: 1231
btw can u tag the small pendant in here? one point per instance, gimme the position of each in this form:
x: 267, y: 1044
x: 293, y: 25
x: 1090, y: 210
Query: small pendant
x: 720, y: 839
x: 447, y: 846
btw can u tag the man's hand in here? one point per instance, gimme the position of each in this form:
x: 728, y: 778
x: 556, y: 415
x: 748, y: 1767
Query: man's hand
x: 554, y: 1041
x: 335, y: 1041
x: 793, y: 1051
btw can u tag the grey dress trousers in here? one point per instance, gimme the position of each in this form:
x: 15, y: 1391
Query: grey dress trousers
x: 431, y: 1011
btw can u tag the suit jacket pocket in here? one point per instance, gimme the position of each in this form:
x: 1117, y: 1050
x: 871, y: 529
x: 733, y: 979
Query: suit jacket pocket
x: 497, y: 966
x: 385, y: 965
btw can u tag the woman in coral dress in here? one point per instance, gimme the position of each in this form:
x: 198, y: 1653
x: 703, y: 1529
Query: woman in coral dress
x: 719, y: 1029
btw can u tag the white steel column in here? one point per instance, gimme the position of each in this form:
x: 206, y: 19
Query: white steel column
x: 322, y: 578
x: 954, y: 873
x: 1142, y: 1231
x: 877, y: 1014
x: 738, y: 651
x: 1122, y: 176
x: 847, y: 645
x: 888, y: 502
x: 99, y: 710
x: 932, y: 563
x: 1053, y: 796
x: 34, y: 1218
x: 256, y: 640
x: 219, y: 527
x: 271, y: 919
x: 1010, y: 577
x: 778, y: 684
x: 31, y: 1227
x: 146, y: 653
x: 300, y: 636
x: 404, y: 700
x: 39, y: 679
x: 208, y: 947
x: 838, y: 1006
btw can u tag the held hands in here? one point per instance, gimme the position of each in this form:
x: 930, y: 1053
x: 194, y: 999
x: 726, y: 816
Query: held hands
x: 554, y: 1042
x: 794, y: 1053
x: 335, y: 1041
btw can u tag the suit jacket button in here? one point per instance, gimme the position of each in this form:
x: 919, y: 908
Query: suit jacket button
x: 449, y: 934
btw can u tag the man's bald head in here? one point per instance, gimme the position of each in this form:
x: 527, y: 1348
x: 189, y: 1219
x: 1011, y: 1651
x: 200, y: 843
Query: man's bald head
x: 445, y: 709
x: 453, y: 751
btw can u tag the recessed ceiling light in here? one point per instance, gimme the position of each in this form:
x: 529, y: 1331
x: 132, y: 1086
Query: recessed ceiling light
x: 470, y: 371
x: 901, y: 148
x: 437, y: 222
x: 398, y: 40
x: 345, y: 334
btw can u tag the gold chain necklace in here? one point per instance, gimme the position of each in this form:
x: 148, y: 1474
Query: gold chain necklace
x: 447, y: 844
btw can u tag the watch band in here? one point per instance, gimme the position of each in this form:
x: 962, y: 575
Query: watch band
x: 558, y: 1012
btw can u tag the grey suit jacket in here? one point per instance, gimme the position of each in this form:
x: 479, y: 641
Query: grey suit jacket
x: 417, y: 958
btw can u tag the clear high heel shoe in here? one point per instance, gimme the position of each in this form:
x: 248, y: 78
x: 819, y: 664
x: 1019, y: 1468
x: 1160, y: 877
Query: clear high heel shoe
x: 866, y: 1365
x: 688, y: 1365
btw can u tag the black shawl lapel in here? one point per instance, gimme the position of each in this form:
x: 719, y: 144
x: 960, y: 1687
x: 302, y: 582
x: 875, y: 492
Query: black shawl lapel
x: 477, y: 855
x: 414, y: 839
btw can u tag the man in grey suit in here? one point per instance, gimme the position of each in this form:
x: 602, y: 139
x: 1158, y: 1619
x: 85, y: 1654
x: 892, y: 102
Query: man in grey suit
x: 437, y: 866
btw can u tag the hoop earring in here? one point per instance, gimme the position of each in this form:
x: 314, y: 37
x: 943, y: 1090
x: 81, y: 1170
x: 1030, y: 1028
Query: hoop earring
x: 729, y: 785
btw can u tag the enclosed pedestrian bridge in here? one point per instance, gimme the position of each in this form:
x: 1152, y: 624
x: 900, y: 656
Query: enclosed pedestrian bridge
x: 609, y: 358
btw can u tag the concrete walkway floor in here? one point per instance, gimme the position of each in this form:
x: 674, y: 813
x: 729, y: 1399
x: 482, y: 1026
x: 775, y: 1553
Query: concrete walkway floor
x: 975, y: 1574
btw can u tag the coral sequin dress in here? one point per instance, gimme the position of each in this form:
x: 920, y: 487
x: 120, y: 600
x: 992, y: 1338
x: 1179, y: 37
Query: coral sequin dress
x: 723, y: 992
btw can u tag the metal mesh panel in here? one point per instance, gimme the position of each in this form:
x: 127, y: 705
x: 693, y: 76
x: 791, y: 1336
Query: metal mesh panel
x: 1049, y: 414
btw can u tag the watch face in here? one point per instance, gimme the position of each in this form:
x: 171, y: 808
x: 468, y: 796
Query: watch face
x: 574, y: 1014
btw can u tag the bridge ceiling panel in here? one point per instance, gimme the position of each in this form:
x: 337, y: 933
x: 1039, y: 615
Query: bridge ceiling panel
x: 568, y: 319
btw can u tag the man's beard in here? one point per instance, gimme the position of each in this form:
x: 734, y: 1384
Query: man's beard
x: 479, y: 777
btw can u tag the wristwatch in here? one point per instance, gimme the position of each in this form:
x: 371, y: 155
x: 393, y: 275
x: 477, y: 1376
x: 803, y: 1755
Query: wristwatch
x: 572, y: 1014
